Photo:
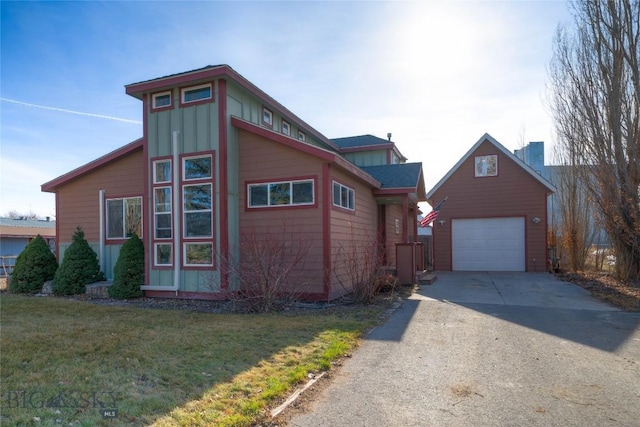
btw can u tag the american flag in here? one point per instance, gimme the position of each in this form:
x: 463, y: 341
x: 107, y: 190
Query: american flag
x: 431, y: 216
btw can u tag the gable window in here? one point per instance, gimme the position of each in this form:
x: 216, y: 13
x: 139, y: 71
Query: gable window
x: 284, y: 193
x: 267, y: 117
x: 161, y: 100
x: 286, y: 128
x: 486, y: 165
x: 196, y: 93
x: 124, y: 217
x: 302, y: 136
x: 343, y: 196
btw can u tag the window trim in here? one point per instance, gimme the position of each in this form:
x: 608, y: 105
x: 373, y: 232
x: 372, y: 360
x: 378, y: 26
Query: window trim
x: 479, y: 173
x: 287, y: 125
x: 350, y: 190
x: 197, y: 266
x: 116, y: 240
x: 185, y: 212
x: 302, y: 136
x: 155, y: 254
x: 185, y: 157
x: 156, y: 95
x: 153, y: 167
x: 189, y: 240
x: 155, y: 213
x: 312, y: 179
x: 266, y: 112
x: 183, y: 90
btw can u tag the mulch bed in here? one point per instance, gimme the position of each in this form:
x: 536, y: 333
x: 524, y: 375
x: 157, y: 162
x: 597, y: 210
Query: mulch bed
x: 624, y: 295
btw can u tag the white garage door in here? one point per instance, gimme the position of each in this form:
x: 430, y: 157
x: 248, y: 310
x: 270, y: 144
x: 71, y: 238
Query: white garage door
x: 488, y: 244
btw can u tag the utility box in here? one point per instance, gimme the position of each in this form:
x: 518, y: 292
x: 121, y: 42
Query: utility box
x: 406, y: 263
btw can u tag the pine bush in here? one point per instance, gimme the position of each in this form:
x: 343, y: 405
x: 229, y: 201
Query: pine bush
x: 35, y: 265
x: 79, y: 267
x: 128, y: 273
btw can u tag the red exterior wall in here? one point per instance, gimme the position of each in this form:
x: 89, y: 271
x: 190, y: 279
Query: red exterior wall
x: 514, y: 192
x: 262, y: 160
x: 354, y: 235
x: 78, y: 201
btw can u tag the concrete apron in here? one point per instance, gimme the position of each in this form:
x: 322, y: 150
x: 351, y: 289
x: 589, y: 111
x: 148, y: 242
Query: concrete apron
x: 510, y: 288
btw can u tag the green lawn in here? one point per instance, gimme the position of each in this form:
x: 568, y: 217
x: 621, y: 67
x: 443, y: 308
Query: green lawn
x: 68, y: 361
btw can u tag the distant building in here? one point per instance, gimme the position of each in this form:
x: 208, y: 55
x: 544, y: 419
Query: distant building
x: 15, y: 235
x: 533, y: 155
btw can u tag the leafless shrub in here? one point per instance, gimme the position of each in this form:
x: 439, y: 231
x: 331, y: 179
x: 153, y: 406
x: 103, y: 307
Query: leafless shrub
x: 266, y: 272
x: 358, y: 267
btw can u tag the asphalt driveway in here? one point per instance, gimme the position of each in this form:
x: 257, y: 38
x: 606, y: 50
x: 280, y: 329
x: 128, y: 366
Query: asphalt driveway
x: 491, y: 349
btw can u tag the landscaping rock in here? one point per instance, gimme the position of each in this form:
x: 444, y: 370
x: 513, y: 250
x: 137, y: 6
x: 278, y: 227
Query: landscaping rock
x: 46, y: 288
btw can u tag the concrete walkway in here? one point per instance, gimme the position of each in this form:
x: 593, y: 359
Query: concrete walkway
x: 491, y: 349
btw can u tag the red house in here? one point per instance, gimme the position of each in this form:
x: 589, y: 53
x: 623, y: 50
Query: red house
x: 495, y: 214
x: 220, y: 159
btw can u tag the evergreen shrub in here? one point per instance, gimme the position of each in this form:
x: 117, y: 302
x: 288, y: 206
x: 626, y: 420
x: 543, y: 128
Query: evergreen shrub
x: 128, y: 273
x: 79, y: 267
x: 35, y: 265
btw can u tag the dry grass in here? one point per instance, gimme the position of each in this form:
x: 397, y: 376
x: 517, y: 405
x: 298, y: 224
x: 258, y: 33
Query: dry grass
x: 625, y: 295
x: 63, y: 361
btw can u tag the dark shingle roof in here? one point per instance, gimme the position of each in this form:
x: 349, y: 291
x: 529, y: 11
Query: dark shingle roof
x: 360, y: 141
x: 402, y: 175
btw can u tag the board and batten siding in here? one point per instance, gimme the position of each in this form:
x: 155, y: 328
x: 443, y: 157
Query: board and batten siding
x: 513, y: 193
x: 262, y: 160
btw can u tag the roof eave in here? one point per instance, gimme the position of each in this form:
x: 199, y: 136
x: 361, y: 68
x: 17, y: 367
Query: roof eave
x: 52, y: 186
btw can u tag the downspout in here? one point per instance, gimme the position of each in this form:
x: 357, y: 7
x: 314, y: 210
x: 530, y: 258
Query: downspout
x: 101, y: 249
x: 176, y: 221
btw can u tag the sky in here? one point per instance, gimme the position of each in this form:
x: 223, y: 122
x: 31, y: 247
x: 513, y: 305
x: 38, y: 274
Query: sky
x: 438, y: 75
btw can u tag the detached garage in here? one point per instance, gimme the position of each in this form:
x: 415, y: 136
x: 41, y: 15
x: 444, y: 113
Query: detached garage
x: 495, y: 216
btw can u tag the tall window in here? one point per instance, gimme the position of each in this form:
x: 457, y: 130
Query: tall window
x: 162, y: 212
x: 286, y: 193
x: 124, y: 217
x: 197, y: 210
x: 343, y: 196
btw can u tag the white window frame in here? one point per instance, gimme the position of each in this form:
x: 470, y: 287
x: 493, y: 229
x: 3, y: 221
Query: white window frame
x: 184, y: 90
x: 124, y: 209
x: 291, y: 201
x: 169, y: 213
x: 351, y: 196
x: 155, y: 96
x: 267, y: 117
x: 155, y: 254
x: 185, y: 211
x: 286, y: 128
x: 184, y: 169
x: 197, y: 243
x: 302, y: 136
x: 155, y: 176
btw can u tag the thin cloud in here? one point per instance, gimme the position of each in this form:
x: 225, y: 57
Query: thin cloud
x: 80, y: 113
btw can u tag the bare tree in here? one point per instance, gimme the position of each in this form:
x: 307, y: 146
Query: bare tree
x: 573, y: 212
x: 595, y: 98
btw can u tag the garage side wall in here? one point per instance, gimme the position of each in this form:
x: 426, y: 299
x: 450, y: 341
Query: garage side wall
x: 512, y: 193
